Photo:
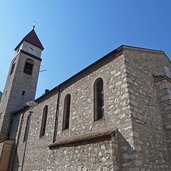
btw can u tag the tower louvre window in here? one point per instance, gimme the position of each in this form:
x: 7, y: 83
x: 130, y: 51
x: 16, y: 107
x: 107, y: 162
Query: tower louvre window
x: 66, y: 113
x: 28, y: 68
x: 43, y: 124
x: 98, y: 99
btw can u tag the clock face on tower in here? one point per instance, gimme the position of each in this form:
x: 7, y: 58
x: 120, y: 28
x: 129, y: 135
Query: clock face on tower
x: 31, y: 47
x: 32, y: 50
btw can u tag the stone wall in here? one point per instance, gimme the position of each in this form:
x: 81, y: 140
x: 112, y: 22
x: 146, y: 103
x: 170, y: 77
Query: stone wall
x: 163, y: 85
x: 116, y: 106
x: 35, y: 145
x: 93, y: 156
x: 116, y: 109
x: 148, y: 131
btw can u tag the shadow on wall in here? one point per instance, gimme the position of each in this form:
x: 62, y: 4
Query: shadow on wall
x: 123, y: 154
x: 14, y: 161
x: 16, y: 127
x: 6, y: 149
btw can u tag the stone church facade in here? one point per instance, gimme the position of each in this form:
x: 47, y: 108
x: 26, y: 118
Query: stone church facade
x: 115, y: 115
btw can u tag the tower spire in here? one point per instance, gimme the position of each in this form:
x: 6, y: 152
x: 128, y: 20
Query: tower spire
x: 32, y: 38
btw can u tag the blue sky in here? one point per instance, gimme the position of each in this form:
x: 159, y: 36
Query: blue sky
x: 77, y: 33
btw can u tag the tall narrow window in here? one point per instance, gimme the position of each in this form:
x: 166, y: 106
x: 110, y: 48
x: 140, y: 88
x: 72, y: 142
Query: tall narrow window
x: 66, y: 113
x: 98, y: 99
x: 12, y: 68
x: 44, y: 118
x: 27, y: 128
x: 28, y: 68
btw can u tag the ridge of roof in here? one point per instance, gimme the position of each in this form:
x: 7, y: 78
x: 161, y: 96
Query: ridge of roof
x: 32, y: 38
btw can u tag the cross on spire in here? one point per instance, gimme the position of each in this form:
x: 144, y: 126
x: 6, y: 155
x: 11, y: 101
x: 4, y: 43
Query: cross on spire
x: 34, y: 23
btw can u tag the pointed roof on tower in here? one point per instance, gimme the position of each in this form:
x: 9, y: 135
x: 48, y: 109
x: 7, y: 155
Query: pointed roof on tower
x: 32, y: 38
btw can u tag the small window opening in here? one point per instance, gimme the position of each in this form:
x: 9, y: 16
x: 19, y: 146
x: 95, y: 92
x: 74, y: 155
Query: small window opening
x: 12, y: 68
x: 66, y: 113
x: 23, y: 93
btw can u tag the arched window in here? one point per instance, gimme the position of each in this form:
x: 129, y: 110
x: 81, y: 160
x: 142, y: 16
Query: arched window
x: 98, y: 99
x: 27, y: 128
x: 66, y: 113
x: 44, y: 118
x: 28, y: 67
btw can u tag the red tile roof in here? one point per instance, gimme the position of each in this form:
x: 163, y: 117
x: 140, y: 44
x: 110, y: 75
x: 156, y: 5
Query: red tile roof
x: 32, y: 38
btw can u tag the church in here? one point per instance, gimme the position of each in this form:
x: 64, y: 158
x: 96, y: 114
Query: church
x: 114, y: 115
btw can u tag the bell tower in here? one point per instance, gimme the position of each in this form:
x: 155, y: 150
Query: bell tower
x: 22, y: 80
